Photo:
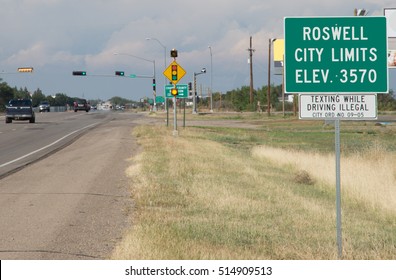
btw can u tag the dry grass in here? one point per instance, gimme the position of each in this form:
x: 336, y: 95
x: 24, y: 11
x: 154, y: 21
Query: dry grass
x: 369, y: 175
x: 202, y: 199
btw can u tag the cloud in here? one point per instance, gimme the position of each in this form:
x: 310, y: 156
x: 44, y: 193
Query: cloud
x: 39, y: 55
x: 74, y: 34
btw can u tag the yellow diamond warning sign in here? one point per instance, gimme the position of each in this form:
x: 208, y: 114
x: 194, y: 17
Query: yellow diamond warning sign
x: 174, y: 72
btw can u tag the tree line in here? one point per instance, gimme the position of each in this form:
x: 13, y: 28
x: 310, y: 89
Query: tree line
x: 59, y: 99
x: 7, y: 93
x: 239, y: 100
x: 233, y: 100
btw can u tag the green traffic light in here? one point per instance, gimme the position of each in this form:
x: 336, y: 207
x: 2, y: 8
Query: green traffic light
x: 79, y: 73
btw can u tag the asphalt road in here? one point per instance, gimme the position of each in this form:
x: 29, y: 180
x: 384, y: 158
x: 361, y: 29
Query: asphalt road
x: 73, y: 203
x: 22, y: 142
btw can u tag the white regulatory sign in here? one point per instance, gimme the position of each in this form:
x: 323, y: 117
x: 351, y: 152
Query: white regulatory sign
x: 338, y: 106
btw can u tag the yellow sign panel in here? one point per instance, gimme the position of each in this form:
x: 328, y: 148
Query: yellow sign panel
x: 174, y: 72
x: 279, y: 49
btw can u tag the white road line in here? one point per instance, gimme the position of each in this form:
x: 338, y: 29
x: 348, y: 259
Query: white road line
x: 45, y: 147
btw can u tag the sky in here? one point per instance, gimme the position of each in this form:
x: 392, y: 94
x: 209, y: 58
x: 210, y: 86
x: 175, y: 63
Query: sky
x: 57, y: 37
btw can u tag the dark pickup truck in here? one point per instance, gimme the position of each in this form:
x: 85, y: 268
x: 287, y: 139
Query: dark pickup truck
x: 20, y: 109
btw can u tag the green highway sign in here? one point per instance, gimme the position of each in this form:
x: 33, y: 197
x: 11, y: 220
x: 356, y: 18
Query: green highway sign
x: 132, y: 76
x: 182, y: 91
x: 336, y: 54
x: 159, y: 99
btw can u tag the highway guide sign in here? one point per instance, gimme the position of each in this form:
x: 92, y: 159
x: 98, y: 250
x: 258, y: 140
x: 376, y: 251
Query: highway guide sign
x: 182, y: 90
x: 338, y: 106
x: 336, y: 54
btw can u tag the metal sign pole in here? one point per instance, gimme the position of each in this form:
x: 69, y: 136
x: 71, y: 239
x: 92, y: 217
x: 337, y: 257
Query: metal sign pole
x: 184, y: 112
x: 338, y: 187
x: 167, y: 111
x: 175, y: 133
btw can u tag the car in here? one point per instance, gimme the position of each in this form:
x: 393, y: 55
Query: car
x: 20, y: 109
x: 81, y: 105
x: 44, y: 106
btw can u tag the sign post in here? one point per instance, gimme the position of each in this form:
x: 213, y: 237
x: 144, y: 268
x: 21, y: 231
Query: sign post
x: 174, y: 73
x: 336, y: 60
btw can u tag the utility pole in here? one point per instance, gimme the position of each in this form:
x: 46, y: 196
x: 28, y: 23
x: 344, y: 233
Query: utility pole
x: 269, y: 77
x: 251, y: 50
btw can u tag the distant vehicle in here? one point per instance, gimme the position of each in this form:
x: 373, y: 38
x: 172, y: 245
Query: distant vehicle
x: 20, y: 109
x: 44, y: 106
x: 81, y: 105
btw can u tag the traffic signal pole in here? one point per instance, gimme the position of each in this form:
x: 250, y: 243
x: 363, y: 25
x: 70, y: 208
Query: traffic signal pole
x: 174, y: 80
x: 174, y: 73
x: 203, y: 71
x: 195, y: 94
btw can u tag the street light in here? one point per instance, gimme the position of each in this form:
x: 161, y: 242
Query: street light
x: 155, y: 39
x: 211, y: 79
x: 153, y: 77
x: 270, y: 41
x: 162, y: 45
x: 138, y: 57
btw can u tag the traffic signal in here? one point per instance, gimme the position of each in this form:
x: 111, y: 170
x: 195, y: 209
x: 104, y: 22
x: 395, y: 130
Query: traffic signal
x: 173, y: 53
x: 120, y: 73
x: 25, y: 69
x: 174, y: 73
x: 154, y: 84
x: 79, y: 73
x: 174, y: 91
x: 189, y: 88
